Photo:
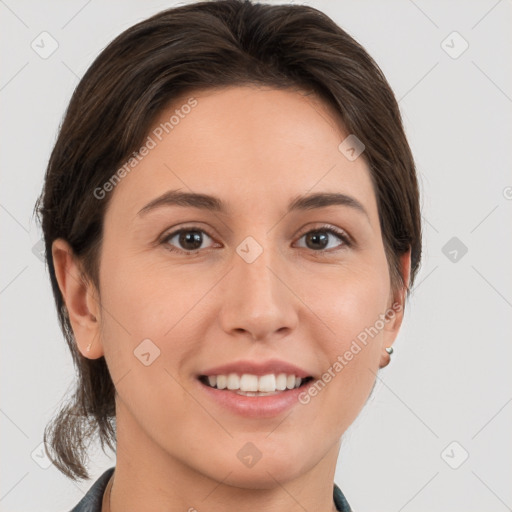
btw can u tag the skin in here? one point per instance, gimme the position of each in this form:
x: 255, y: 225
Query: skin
x: 256, y: 149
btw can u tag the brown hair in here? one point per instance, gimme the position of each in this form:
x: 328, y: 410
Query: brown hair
x: 198, y: 46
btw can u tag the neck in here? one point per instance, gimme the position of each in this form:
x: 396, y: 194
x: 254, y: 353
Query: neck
x: 148, y: 477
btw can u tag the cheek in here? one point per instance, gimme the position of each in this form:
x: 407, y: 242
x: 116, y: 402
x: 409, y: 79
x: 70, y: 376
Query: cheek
x: 351, y: 309
x: 151, y: 300
x: 143, y: 309
x: 348, y: 302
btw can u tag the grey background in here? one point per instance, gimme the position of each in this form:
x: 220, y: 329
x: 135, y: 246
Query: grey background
x: 449, y: 379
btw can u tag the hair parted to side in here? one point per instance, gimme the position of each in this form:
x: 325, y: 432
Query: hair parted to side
x: 197, y: 46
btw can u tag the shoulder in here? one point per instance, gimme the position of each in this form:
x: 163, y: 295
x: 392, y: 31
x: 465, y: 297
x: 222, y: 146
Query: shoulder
x: 91, y: 502
x: 340, y: 501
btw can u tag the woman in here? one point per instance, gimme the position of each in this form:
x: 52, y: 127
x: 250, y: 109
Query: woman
x: 232, y: 227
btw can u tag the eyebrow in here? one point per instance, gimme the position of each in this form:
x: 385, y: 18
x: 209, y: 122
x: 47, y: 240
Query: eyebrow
x: 215, y: 204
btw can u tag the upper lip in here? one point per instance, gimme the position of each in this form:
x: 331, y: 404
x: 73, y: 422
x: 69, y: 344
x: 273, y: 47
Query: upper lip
x: 257, y: 368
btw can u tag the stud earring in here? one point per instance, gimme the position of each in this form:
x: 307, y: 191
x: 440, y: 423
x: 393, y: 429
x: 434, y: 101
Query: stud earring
x: 89, y: 347
x: 389, y: 350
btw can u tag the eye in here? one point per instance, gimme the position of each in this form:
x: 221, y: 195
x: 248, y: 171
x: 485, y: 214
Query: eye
x: 319, y: 239
x: 188, y: 239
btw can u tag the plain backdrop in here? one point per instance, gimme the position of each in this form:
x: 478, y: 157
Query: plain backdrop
x: 436, y: 433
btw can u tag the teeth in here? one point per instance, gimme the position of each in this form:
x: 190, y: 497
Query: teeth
x: 233, y: 381
x: 222, y: 382
x: 281, y: 382
x: 252, y: 385
x: 249, y: 383
x: 266, y: 382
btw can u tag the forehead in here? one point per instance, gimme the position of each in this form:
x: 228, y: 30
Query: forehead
x: 251, y: 146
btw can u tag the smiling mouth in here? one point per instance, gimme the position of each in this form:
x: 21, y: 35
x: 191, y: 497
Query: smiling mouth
x: 254, y: 385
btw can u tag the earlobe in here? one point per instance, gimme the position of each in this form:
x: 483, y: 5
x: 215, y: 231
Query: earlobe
x: 385, y: 357
x: 81, y: 300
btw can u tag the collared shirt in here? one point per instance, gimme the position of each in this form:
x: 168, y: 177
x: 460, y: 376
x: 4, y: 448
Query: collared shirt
x: 93, y: 499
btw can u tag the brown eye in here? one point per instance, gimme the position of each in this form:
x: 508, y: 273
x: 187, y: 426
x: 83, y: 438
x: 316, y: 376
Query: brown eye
x: 187, y: 240
x: 319, y: 239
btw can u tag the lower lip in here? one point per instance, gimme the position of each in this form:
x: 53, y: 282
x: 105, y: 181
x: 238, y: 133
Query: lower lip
x: 256, y: 406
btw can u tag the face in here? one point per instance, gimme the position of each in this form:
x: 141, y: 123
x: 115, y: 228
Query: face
x: 186, y: 288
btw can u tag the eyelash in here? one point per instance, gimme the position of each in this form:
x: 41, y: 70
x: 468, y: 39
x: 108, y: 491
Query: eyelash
x: 347, y: 242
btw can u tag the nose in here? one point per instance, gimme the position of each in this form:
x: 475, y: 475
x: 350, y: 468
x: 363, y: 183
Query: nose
x: 258, y: 301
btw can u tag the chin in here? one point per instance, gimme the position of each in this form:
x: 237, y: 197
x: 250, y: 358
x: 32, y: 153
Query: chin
x: 265, y: 473
x: 266, y: 477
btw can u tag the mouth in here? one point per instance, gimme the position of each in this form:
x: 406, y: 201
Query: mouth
x: 255, y: 385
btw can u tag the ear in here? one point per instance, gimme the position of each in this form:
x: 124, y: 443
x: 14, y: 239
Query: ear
x: 81, y: 299
x: 395, y: 311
